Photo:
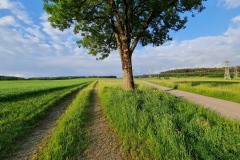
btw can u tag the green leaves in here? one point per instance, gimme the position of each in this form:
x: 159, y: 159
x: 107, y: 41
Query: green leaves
x: 105, y: 25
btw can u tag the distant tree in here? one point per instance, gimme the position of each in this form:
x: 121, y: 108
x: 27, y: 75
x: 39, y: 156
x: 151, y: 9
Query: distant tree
x: 107, y: 25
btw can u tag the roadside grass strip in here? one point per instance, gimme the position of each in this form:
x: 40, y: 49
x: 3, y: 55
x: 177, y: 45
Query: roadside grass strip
x: 68, y: 139
x: 155, y: 125
x: 18, y: 117
x: 227, y: 90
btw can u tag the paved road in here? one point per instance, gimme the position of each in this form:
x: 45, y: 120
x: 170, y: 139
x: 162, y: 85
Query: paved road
x: 223, y: 107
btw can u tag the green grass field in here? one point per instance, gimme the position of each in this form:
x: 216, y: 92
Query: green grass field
x: 150, y: 123
x: 156, y: 125
x: 21, y: 110
x: 213, y: 87
x: 18, y: 89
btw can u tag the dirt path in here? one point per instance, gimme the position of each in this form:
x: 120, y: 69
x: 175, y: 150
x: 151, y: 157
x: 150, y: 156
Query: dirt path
x: 29, y: 146
x: 103, y: 144
x: 223, y: 107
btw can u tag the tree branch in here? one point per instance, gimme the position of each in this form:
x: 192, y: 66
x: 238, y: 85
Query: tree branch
x: 141, y: 32
x: 116, y: 14
x: 141, y: 4
x: 116, y: 34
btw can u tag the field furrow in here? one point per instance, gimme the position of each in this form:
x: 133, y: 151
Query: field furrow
x: 30, y: 145
x: 19, y: 116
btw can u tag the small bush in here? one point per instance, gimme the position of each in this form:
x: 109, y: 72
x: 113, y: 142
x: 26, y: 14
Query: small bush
x: 195, y: 84
x: 175, y: 86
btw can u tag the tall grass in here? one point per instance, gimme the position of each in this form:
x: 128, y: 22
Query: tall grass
x: 18, y: 116
x: 156, y: 125
x: 68, y: 139
x: 227, y: 90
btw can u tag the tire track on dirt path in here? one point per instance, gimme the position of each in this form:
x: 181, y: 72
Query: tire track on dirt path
x: 103, y: 143
x: 30, y: 145
x: 225, y: 108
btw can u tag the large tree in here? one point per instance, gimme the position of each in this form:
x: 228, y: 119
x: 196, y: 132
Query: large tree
x: 107, y: 25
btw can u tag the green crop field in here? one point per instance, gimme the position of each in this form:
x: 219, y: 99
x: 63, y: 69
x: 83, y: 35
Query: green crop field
x: 23, y: 103
x: 149, y: 123
x: 20, y: 88
x: 213, y: 87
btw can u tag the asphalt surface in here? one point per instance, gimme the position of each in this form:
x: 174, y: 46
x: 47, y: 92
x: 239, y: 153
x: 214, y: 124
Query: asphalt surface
x: 223, y: 107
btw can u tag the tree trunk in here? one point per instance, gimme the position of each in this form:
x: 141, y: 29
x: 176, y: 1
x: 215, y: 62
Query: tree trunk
x: 127, y: 70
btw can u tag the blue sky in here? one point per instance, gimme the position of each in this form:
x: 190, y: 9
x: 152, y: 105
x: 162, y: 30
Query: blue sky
x: 213, y: 21
x: 30, y: 47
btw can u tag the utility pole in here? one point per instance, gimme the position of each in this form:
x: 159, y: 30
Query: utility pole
x: 227, y: 70
x: 236, y: 72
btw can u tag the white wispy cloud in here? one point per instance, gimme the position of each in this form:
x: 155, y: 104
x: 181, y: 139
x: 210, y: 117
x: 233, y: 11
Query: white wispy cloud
x: 35, y: 31
x: 64, y: 38
x: 17, y: 9
x: 7, y: 21
x: 5, y: 4
x: 236, y: 20
x: 231, y: 3
x: 37, y: 49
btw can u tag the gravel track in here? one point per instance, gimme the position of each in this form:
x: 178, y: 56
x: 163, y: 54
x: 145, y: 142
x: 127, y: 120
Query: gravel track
x: 223, y: 107
x: 103, y: 143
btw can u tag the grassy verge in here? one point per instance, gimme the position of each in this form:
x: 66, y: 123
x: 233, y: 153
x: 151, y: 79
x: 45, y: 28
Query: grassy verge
x: 156, y: 125
x: 227, y: 90
x: 67, y: 140
x: 18, y: 117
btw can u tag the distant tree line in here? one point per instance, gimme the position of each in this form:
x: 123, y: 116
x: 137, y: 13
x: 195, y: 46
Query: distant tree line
x: 187, y: 72
x: 210, y: 72
x: 52, y: 78
x: 145, y: 76
x: 69, y: 77
x: 10, y: 78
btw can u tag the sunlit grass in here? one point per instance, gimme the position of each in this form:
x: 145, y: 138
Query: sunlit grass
x: 68, y: 139
x: 151, y: 124
x: 156, y: 125
x: 15, y: 89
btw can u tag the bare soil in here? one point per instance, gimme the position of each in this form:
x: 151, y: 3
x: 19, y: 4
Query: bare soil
x: 103, y: 144
x: 225, y: 108
x: 30, y: 145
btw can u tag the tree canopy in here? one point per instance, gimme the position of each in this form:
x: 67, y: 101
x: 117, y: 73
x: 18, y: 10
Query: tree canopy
x: 147, y: 22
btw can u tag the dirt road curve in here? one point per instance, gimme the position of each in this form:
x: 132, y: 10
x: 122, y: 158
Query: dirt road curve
x: 223, y: 107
